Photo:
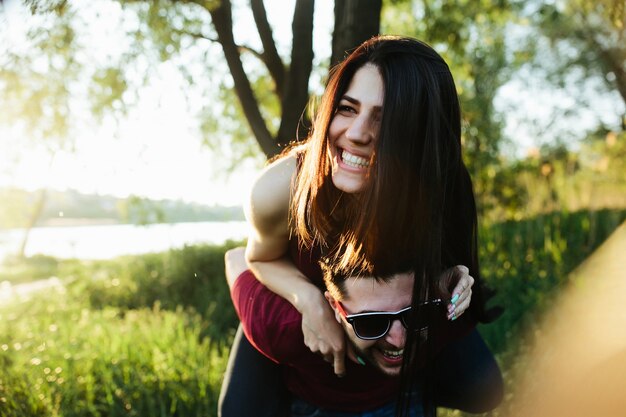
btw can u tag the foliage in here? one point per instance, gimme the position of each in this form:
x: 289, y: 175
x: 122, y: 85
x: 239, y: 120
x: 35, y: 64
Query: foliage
x: 178, y: 33
x: 149, y: 335
x: 16, y: 270
x: 472, y: 38
x: 38, y: 78
x: 192, y: 277
x: 589, y: 35
x: 555, y: 178
x: 480, y: 39
x: 258, y: 94
x: 139, y: 210
x: 17, y: 207
x: 573, y: 72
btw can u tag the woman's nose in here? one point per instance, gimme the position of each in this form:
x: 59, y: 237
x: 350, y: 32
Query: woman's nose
x: 360, y: 130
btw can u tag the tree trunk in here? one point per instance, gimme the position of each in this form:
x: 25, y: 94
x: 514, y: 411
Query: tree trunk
x: 297, y: 86
x: 223, y: 23
x: 355, y: 22
x: 269, y: 55
x: 32, y: 221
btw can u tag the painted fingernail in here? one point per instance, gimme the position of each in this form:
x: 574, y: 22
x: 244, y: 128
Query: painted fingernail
x: 455, y: 298
x: 360, y: 360
x: 451, y: 308
x: 453, y: 317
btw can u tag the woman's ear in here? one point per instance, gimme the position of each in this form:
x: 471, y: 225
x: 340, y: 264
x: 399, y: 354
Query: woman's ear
x: 333, y: 304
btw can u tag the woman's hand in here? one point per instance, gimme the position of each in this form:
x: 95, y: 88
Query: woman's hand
x: 323, y: 334
x: 459, y: 278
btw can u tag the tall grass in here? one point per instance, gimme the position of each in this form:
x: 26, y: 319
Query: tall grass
x: 137, y: 336
x: 82, y: 362
x: 528, y: 262
x: 149, y: 335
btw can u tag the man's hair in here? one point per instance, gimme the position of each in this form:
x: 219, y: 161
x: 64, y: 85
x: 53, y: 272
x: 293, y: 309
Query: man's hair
x: 335, y: 277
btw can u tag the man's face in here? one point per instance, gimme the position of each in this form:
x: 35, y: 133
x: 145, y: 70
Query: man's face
x: 364, y: 295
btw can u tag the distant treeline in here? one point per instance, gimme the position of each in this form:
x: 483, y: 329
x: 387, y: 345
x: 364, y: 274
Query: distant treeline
x: 67, y: 207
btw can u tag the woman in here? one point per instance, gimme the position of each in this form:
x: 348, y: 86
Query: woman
x: 381, y: 181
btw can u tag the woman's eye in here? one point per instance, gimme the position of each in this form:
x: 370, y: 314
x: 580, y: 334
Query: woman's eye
x: 345, y: 109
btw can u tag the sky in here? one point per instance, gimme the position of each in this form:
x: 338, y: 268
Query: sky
x: 155, y: 151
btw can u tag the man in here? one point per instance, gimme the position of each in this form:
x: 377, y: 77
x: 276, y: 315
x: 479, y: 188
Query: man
x: 374, y: 314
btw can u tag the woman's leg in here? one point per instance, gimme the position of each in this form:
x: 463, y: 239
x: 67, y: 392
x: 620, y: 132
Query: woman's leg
x: 468, y: 377
x: 253, y: 385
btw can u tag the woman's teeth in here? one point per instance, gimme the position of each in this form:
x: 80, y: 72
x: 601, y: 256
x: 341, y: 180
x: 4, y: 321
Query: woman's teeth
x: 354, y: 161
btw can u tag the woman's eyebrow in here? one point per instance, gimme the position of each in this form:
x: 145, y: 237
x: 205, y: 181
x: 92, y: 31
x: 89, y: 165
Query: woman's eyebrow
x: 350, y: 99
x: 357, y: 102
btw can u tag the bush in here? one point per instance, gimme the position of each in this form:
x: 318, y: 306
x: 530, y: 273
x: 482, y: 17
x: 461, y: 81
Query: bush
x: 192, y: 277
x: 17, y: 270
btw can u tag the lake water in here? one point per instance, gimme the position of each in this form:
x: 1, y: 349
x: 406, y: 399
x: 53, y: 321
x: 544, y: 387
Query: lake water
x: 109, y: 241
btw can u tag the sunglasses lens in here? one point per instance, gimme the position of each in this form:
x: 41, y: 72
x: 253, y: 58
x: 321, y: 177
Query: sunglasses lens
x: 406, y: 319
x: 371, y: 326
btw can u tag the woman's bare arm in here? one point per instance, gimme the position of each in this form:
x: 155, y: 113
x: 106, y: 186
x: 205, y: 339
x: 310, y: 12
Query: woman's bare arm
x: 267, y: 257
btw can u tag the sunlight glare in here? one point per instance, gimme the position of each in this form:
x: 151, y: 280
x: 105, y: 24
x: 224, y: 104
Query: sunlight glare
x: 578, y: 362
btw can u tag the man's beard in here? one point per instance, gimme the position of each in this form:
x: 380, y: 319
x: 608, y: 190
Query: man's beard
x: 368, y: 356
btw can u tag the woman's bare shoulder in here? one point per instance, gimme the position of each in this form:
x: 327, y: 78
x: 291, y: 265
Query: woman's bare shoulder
x: 271, y: 192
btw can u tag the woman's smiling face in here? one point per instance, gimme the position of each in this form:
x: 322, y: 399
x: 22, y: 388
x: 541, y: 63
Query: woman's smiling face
x: 354, y: 129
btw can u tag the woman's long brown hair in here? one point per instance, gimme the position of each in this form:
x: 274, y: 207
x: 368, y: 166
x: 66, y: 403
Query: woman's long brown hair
x: 417, y: 211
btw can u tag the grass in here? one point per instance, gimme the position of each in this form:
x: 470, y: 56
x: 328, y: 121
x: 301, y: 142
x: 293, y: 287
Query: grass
x: 527, y: 262
x: 149, y: 335
x: 136, y: 336
x: 83, y: 362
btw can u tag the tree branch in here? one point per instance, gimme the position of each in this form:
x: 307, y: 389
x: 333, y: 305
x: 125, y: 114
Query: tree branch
x: 297, y: 83
x: 270, y: 55
x: 198, y: 35
x: 245, y: 48
x: 614, y: 60
x: 195, y: 35
x: 611, y: 59
x: 223, y: 23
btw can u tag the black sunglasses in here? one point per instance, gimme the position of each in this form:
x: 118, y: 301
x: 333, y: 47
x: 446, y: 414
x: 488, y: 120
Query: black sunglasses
x: 374, y: 325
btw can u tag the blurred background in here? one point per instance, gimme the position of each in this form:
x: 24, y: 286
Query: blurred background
x: 131, y: 130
